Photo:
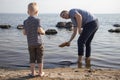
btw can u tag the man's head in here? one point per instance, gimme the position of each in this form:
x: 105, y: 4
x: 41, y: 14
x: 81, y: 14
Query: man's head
x: 64, y: 14
x: 33, y: 9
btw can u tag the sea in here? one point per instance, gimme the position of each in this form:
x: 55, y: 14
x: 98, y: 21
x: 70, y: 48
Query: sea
x: 14, y: 50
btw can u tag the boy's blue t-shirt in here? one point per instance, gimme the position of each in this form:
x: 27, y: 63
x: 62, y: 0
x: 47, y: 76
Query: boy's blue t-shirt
x: 86, y: 16
x: 31, y: 25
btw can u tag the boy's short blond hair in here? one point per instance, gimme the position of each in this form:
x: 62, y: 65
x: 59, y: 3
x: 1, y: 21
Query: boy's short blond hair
x: 33, y: 7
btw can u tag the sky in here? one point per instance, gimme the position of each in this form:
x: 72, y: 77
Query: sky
x: 56, y: 6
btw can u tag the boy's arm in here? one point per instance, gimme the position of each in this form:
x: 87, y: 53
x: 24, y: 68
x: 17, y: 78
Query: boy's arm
x: 24, y: 32
x: 41, y: 31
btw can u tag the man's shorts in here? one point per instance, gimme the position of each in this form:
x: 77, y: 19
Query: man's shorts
x: 36, y: 53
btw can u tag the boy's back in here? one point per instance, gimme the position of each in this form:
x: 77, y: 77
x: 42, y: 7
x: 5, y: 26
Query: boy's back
x: 33, y: 30
x: 31, y: 26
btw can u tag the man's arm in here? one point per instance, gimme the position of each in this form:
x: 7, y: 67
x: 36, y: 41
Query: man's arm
x: 73, y: 34
x: 78, y: 18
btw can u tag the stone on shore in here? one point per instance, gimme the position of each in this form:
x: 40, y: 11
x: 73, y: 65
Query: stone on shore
x: 66, y: 25
x: 50, y: 32
x: 61, y: 24
x: 5, y: 26
x: 20, y: 26
x: 114, y: 30
x: 116, y: 25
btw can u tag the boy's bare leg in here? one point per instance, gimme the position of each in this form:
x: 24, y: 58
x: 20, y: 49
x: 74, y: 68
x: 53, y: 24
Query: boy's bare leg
x: 32, y: 67
x: 40, y: 66
x: 79, y: 61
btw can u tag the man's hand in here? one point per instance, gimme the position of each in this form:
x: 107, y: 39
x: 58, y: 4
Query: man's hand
x: 79, y: 31
x: 64, y: 44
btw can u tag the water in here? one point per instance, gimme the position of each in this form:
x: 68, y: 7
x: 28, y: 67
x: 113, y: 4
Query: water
x: 13, y: 44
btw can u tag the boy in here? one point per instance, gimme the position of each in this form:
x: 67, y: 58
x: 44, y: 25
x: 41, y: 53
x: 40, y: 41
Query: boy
x: 33, y: 30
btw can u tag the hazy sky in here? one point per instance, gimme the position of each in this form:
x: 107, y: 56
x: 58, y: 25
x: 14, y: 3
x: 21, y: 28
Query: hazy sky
x: 55, y: 6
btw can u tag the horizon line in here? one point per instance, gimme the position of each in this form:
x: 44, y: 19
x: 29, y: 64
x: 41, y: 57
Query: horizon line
x: 51, y: 13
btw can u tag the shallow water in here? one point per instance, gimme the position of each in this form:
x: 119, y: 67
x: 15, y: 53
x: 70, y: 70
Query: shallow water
x: 13, y: 45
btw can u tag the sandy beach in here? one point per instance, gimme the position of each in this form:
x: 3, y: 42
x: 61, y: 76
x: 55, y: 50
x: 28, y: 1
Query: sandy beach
x: 62, y: 74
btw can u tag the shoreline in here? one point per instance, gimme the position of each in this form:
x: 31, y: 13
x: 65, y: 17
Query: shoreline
x: 62, y: 74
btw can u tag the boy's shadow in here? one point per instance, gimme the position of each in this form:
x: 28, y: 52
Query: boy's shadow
x: 23, y: 78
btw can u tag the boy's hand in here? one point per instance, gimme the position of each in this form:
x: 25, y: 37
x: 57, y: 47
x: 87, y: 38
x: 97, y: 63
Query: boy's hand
x: 64, y: 44
x: 41, y: 31
x: 24, y: 32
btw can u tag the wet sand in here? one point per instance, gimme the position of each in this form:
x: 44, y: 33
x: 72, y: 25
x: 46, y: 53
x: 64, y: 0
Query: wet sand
x: 62, y: 74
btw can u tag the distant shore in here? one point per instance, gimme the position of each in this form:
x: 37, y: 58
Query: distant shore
x: 62, y: 74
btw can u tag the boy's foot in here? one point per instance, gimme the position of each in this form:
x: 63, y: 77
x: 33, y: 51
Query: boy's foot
x: 31, y: 75
x: 41, y: 74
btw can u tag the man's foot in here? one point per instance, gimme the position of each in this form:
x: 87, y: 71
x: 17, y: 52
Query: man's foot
x: 88, y: 63
x: 79, y: 64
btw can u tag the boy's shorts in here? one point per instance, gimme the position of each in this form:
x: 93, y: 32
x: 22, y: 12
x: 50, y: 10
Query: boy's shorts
x: 36, y: 53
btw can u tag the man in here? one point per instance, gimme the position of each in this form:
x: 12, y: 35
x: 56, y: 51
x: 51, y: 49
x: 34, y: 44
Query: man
x: 87, y: 21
